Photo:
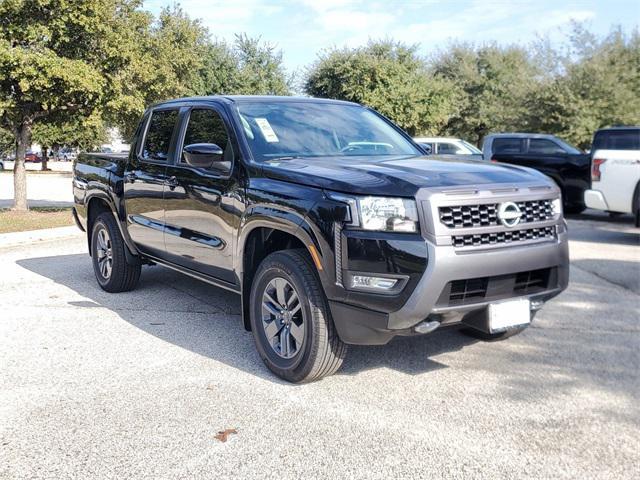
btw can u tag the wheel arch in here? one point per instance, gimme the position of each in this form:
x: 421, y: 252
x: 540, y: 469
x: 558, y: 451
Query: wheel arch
x: 266, y: 232
x: 97, y: 204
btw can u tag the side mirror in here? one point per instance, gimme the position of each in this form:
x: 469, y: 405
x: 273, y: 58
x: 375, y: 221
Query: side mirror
x: 202, y: 155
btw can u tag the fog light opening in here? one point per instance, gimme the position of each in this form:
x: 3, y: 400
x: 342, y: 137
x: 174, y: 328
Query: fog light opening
x: 378, y: 283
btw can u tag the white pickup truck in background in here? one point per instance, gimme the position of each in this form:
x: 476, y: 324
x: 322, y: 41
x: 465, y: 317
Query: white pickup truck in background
x: 615, y: 171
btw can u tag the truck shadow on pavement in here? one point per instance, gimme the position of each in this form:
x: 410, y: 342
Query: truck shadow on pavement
x: 206, y: 320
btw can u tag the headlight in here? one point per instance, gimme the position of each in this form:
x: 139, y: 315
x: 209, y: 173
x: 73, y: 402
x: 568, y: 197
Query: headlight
x: 388, y: 214
x: 557, y: 206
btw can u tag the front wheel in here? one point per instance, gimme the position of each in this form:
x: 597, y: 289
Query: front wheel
x: 290, y: 319
x: 113, y: 272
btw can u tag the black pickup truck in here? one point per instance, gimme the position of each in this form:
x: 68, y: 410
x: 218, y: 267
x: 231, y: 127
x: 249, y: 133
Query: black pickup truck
x: 569, y: 167
x: 328, y: 221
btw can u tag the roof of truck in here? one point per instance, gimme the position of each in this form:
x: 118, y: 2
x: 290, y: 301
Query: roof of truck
x: 256, y: 98
x: 624, y: 127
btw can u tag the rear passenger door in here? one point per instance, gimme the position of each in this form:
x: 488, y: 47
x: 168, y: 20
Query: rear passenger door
x: 203, y: 200
x: 144, y: 180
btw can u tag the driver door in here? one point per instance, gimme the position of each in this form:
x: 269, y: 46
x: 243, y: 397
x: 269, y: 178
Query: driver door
x: 203, y: 202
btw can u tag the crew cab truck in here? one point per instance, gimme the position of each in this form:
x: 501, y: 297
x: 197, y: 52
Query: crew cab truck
x: 564, y: 163
x: 327, y: 220
x: 615, y: 171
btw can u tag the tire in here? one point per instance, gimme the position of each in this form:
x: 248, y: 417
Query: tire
x: 573, y: 209
x: 301, y: 344
x: 113, y: 272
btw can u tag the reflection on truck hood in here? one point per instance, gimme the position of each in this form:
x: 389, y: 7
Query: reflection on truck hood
x: 395, y: 175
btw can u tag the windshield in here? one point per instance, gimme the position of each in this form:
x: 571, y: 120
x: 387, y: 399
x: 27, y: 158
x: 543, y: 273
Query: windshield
x: 471, y: 147
x: 305, y: 129
x: 568, y: 148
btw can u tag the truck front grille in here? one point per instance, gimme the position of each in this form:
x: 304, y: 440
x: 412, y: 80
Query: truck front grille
x: 507, y: 236
x: 482, y: 289
x: 486, y: 214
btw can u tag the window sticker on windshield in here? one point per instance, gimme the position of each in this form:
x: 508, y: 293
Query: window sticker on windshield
x: 267, y: 132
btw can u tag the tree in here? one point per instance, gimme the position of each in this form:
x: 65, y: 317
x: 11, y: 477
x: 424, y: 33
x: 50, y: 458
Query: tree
x: 7, y: 142
x: 85, y: 133
x: 60, y: 57
x: 389, y: 77
x: 260, y: 69
x: 492, y: 84
x: 598, y: 85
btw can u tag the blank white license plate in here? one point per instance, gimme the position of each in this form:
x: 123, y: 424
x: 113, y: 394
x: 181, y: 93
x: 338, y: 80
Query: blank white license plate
x: 511, y: 313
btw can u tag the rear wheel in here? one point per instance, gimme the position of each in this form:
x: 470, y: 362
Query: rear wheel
x: 290, y: 319
x: 113, y: 272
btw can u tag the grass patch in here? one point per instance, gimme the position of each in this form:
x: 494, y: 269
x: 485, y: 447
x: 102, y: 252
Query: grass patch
x: 34, y: 219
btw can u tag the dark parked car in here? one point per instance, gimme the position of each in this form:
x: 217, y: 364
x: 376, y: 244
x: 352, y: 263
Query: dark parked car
x: 32, y: 157
x: 566, y: 165
x: 328, y: 221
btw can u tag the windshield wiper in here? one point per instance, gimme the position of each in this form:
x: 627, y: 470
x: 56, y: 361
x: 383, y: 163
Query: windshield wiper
x: 286, y: 157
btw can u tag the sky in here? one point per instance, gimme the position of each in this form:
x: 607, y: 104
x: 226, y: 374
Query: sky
x: 304, y: 28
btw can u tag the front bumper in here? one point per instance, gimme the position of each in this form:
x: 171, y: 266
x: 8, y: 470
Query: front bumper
x: 500, y: 272
x: 595, y: 199
x: 363, y: 326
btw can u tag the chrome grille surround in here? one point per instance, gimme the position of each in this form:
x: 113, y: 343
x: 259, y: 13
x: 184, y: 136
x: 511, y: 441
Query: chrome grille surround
x: 467, y: 218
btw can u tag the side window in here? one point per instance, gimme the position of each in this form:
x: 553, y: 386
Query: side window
x: 449, y: 149
x: 507, y: 145
x: 158, y: 137
x: 544, y: 146
x: 206, y: 141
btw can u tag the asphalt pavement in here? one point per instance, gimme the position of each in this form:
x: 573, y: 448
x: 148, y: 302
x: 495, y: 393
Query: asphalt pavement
x: 137, y: 385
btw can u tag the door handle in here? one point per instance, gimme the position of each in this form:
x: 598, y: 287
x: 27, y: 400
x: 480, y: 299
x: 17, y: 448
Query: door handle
x: 171, y: 182
x: 130, y: 177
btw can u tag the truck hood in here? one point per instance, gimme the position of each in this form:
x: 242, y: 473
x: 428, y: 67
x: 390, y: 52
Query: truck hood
x: 395, y: 175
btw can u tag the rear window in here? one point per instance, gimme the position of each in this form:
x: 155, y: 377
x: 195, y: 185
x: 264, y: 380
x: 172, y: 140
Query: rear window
x: 158, y: 137
x: 617, y: 140
x: 507, y: 145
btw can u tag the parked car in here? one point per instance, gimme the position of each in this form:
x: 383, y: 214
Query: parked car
x: 448, y: 146
x: 615, y: 171
x: 66, y: 155
x: 33, y: 157
x: 565, y: 164
x: 327, y: 220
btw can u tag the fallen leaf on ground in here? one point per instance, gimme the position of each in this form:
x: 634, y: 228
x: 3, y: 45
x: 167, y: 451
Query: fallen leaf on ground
x: 222, y: 436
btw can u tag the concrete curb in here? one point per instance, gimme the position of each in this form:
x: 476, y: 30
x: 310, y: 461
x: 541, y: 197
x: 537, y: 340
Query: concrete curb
x: 20, y: 238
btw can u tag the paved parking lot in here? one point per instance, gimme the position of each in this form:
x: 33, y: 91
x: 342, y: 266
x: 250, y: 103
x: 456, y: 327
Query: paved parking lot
x: 137, y: 385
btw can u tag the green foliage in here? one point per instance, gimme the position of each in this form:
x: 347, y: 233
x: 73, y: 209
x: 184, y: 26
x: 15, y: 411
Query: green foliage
x: 493, y: 83
x: 389, y: 77
x: 85, y: 133
x: 7, y: 142
x: 599, y: 86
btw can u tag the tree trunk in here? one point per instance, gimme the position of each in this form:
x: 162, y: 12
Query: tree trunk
x: 43, y: 166
x: 19, y: 170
